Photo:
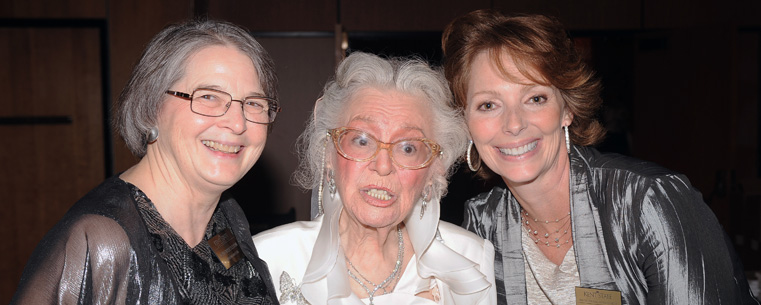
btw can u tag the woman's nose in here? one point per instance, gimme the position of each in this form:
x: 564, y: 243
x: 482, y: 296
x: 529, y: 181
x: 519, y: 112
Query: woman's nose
x: 513, y: 121
x: 234, y: 118
x: 382, y: 164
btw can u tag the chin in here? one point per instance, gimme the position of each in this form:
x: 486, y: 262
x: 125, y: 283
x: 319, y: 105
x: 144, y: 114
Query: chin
x: 518, y: 175
x: 227, y: 180
x: 377, y: 221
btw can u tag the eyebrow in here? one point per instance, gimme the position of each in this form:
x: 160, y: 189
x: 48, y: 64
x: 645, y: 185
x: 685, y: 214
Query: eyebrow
x: 217, y: 87
x: 369, y: 120
x: 491, y: 92
x: 524, y: 88
x: 536, y: 86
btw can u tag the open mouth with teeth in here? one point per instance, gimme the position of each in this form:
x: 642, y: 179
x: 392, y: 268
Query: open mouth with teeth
x: 228, y: 149
x: 517, y: 151
x: 379, y: 194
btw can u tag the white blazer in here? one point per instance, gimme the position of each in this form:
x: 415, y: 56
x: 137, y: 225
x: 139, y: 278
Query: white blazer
x: 307, y: 264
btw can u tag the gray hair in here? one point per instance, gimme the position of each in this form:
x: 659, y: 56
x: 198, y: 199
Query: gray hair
x: 162, y: 64
x: 411, y: 76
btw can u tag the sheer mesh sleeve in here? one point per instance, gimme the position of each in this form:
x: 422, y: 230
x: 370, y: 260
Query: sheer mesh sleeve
x: 81, y: 261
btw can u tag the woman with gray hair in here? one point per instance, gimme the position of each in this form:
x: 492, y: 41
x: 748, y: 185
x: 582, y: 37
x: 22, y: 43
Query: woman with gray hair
x: 378, y: 152
x: 196, y: 110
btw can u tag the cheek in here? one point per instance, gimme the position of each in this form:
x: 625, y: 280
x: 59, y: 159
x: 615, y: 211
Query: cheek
x: 549, y: 122
x: 345, y: 174
x: 482, y: 128
x: 257, y: 134
x: 188, y: 127
x: 413, y: 182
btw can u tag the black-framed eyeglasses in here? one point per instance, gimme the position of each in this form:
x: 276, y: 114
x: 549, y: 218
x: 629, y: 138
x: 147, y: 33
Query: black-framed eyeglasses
x: 215, y: 103
x: 360, y: 146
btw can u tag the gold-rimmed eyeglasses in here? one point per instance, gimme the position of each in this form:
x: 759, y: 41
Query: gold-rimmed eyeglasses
x: 215, y: 103
x: 360, y: 146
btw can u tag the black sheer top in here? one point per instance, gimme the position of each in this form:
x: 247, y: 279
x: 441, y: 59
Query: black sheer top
x: 113, y: 247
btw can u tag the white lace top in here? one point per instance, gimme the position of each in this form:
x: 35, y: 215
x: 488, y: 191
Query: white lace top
x: 547, y: 283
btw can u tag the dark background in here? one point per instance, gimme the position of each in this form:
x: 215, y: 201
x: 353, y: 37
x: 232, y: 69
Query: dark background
x: 681, y: 88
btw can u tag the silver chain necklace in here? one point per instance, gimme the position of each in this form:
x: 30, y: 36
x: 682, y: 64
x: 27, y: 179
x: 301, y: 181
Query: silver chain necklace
x: 388, y: 281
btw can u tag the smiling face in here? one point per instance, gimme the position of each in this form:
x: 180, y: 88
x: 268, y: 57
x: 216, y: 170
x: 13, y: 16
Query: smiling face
x: 211, y: 153
x: 516, y: 124
x: 377, y: 193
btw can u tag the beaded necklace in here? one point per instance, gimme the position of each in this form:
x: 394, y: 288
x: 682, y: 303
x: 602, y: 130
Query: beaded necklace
x: 556, y: 235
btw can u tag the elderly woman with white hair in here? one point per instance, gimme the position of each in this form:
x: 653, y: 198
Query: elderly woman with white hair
x: 378, y: 151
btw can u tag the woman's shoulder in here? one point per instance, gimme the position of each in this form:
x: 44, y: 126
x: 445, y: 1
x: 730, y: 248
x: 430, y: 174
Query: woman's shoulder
x: 110, y: 199
x: 461, y: 240
x: 66, y: 252
x: 489, y: 198
x: 287, y: 250
x: 611, y: 173
x: 614, y: 162
x: 450, y: 231
x: 103, y: 222
x: 292, y: 240
x: 104, y: 214
x: 300, y: 229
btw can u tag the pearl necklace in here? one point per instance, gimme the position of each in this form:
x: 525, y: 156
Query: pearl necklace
x: 388, y: 281
x: 557, y: 235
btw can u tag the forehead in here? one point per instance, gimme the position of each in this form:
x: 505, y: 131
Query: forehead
x: 220, y: 63
x: 504, y: 65
x: 388, y: 110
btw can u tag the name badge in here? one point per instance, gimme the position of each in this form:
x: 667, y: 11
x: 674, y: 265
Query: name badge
x: 590, y: 296
x: 226, y: 248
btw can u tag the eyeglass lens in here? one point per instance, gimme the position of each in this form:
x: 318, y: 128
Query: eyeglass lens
x: 362, y: 146
x: 215, y: 103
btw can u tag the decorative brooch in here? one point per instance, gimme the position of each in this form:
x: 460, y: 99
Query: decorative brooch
x: 289, y: 291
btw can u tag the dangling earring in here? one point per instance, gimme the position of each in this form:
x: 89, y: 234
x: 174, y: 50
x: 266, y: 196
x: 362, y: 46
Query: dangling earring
x: 320, y: 210
x: 153, y: 135
x: 426, y: 197
x: 331, y: 184
x: 470, y: 162
x: 567, y: 140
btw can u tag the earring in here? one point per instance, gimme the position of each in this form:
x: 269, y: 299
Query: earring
x: 426, y: 197
x: 320, y: 210
x: 153, y: 135
x: 567, y: 140
x: 331, y: 184
x: 470, y: 162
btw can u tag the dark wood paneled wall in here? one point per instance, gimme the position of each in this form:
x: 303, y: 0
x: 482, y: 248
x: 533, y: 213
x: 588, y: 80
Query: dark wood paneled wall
x: 51, y: 108
x: 131, y: 25
x: 694, y: 93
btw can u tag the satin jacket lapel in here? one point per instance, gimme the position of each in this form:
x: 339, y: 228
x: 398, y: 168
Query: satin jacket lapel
x: 324, y: 279
x: 512, y: 253
x: 589, y: 244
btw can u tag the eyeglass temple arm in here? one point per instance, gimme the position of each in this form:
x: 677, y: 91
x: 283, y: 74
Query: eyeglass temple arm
x: 179, y: 94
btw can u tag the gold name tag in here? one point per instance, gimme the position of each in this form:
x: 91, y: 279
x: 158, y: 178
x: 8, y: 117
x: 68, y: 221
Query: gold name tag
x: 226, y: 248
x: 589, y: 296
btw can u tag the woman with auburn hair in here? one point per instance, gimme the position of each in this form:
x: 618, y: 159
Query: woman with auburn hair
x: 573, y: 223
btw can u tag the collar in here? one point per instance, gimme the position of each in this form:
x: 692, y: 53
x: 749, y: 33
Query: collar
x: 434, y: 258
x: 589, y: 244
